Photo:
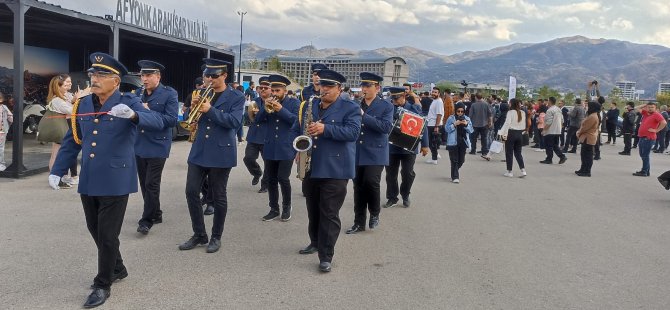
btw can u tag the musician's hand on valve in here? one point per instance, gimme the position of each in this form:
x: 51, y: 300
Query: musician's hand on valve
x: 315, y: 129
x: 204, y: 107
x: 276, y: 106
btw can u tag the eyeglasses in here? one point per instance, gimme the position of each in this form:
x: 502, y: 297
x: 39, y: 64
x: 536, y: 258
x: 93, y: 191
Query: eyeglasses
x: 212, y: 76
x: 460, y: 111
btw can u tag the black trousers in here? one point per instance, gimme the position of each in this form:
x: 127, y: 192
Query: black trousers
x: 104, y: 217
x: 626, y: 142
x: 513, y: 146
x: 433, y: 141
x: 636, y: 138
x: 611, y: 132
x: 562, y: 137
x: 551, y: 146
x: 366, y: 192
x: 251, y: 153
x: 218, y: 181
x: 278, y: 172
x: 483, y: 132
x: 571, y: 139
x: 457, y: 158
x: 407, y: 174
x: 150, y: 171
x: 596, y: 148
x: 587, y: 158
x: 324, y: 198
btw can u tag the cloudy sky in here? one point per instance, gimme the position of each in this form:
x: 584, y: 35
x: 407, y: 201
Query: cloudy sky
x: 441, y: 26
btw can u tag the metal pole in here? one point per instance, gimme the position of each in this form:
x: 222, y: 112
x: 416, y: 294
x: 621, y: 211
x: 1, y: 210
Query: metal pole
x: 239, y: 61
x: 16, y: 169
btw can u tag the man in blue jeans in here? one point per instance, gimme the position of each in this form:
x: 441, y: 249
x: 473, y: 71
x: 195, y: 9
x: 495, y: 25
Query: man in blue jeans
x: 652, y: 122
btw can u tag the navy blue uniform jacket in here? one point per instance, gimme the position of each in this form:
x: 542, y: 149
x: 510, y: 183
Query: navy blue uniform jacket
x: 157, y: 143
x: 108, y: 166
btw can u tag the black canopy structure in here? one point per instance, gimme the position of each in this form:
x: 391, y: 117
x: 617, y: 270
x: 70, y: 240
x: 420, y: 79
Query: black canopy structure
x: 39, y: 24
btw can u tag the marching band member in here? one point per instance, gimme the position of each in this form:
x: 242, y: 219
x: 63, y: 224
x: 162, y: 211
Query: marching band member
x: 372, y: 152
x: 256, y: 136
x: 152, y: 147
x: 398, y: 156
x: 314, y: 88
x: 334, y: 133
x: 278, y: 113
x: 213, y: 154
x: 104, y: 126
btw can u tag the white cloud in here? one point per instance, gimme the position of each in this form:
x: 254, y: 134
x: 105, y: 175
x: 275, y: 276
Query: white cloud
x: 661, y: 37
x: 622, y: 24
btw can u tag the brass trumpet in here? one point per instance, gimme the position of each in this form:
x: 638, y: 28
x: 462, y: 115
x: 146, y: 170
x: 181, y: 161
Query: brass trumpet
x: 269, y: 107
x: 191, y: 123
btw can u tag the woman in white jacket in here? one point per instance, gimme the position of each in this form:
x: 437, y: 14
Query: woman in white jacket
x: 512, y: 133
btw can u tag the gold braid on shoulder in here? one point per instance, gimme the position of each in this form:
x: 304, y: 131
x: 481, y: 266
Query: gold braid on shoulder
x: 73, y: 121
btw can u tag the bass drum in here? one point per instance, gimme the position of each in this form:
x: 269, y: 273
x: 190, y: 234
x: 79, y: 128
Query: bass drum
x: 407, y: 130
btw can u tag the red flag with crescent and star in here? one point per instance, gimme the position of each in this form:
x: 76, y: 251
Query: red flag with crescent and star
x: 411, y: 125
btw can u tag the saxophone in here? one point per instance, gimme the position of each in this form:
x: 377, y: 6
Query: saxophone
x: 303, y: 143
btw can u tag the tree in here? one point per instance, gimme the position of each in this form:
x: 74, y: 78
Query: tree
x: 569, y: 98
x: 663, y: 98
x: 253, y: 64
x: 444, y: 85
x: 274, y: 64
x: 546, y: 92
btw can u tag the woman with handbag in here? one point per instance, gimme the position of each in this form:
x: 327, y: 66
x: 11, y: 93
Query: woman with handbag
x: 458, y: 128
x: 54, y: 125
x: 512, y: 133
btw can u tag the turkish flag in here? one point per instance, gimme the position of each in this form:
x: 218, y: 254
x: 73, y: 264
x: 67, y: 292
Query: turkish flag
x: 411, y: 125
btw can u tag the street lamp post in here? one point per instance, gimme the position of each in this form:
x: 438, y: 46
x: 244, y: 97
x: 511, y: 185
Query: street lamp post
x: 239, y: 62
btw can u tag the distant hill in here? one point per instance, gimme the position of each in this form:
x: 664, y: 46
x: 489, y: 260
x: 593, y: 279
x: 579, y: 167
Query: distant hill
x: 564, y: 63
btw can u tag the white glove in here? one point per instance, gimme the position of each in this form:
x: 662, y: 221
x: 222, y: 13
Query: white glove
x: 54, y: 180
x: 122, y: 111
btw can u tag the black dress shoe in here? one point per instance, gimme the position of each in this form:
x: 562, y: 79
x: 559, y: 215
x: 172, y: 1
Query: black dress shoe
x: 624, y: 153
x: 310, y: 249
x: 324, y: 267
x: 255, y: 180
x: 562, y: 160
x: 374, y: 221
x: 406, y: 202
x: 473, y: 153
x: 572, y: 151
x: 214, y: 245
x: 597, y: 158
x: 117, y: 276
x: 545, y: 162
x: 355, y: 229
x: 142, y: 229
x: 263, y: 190
x: 641, y: 174
x: 209, y: 210
x: 96, y: 298
x: 193, y: 242
x: 390, y: 203
x: 157, y: 220
x: 584, y: 174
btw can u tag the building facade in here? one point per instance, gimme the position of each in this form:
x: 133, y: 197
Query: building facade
x: 663, y: 88
x: 627, y: 89
x: 394, y: 69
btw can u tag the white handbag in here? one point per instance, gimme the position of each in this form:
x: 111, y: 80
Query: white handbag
x: 496, y: 147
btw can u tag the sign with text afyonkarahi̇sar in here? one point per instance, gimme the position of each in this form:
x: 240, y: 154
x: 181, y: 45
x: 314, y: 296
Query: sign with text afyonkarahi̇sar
x: 164, y: 22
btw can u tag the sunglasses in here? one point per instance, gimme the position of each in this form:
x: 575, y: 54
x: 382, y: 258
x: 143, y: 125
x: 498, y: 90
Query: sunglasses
x: 460, y: 111
x: 212, y: 76
x: 263, y: 88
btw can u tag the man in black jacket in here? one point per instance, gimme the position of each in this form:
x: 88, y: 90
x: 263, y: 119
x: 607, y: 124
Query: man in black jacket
x: 628, y: 127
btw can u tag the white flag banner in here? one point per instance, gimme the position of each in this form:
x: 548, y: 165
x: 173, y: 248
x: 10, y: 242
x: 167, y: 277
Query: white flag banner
x: 512, y: 87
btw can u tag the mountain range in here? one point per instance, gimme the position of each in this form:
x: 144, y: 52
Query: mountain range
x: 565, y: 64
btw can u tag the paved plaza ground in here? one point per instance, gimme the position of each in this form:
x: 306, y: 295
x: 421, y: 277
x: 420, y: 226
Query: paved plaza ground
x: 550, y: 241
